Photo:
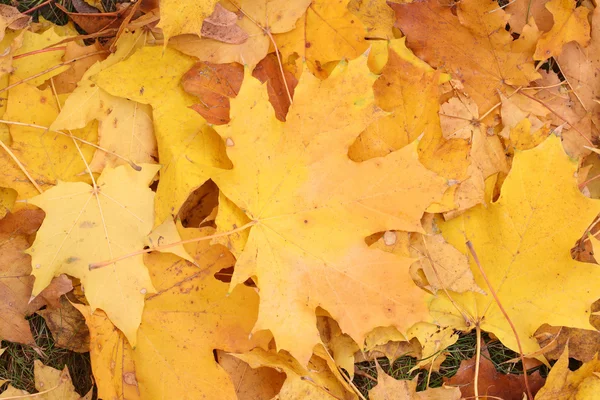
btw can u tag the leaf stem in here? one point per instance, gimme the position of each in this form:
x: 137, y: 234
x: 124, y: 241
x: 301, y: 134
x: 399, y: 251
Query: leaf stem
x: 168, y: 246
x: 62, y: 64
x: 512, y: 326
x: 32, y: 9
x: 131, y: 163
x: 477, y: 361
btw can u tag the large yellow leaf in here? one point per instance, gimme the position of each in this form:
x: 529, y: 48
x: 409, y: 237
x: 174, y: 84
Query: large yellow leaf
x: 312, y: 207
x: 523, y: 242
x: 190, y: 315
x: 187, y: 147
x: 84, y: 225
x: 473, y: 46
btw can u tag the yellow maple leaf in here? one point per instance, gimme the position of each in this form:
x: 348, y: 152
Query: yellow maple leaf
x: 570, y: 24
x: 189, y: 316
x: 187, y: 147
x: 311, y: 207
x: 86, y: 225
x: 524, y: 245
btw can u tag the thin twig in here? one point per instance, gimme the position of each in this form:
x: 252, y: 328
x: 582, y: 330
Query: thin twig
x: 21, y: 166
x: 44, y: 50
x: 32, y: 9
x: 131, y: 163
x: 487, y: 281
x: 477, y: 361
x: 62, y: 64
x: 28, y: 396
x: 582, y: 185
x: 501, y: 7
x: 168, y: 246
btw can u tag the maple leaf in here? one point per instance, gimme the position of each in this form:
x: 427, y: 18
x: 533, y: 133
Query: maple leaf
x: 311, y: 208
x: 67, y: 326
x: 570, y: 24
x: 16, y: 231
x: 565, y: 384
x: 187, y: 147
x: 213, y: 84
x: 188, y: 317
x: 86, y: 224
x: 524, y: 247
x: 487, y: 58
x: 490, y: 381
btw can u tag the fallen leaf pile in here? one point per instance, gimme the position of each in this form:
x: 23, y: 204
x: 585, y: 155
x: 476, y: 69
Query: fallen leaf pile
x: 240, y: 199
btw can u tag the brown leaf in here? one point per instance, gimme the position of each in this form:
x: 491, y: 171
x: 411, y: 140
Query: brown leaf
x: 51, y: 295
x: 67, y: 81
x: 583, y: 344
x: 68, y: 326
x: 84, y: 8
x: 12, y: 18
x: 95, y: 22
x: 16, y: 232
x: 268, y: 70
x: 213, y: 84
x: 492, y: 382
